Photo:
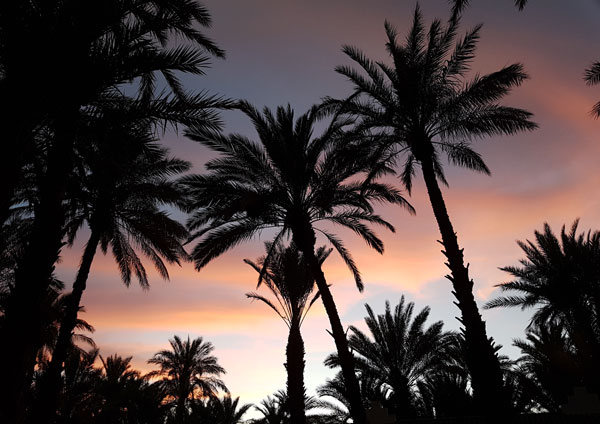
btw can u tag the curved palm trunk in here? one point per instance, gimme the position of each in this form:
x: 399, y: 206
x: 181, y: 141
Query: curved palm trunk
x: 304, y: 237
x: 486, y: 376
x: 50, y: 388
x: 23, y: 321
x: 295, y: 374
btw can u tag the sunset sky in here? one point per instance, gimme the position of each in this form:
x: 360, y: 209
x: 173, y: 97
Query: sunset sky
x: 284, y: 51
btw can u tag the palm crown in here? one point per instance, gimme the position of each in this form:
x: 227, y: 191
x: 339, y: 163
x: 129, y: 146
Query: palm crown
x: 402, y: 352
x: 288, y: 180
x: 288, y: 278
x: 421, y: 105
x: 189, y: 369
x: 122, y: 199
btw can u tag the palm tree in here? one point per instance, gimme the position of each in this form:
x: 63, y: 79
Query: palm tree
x: 118, y: 384
x: 287, y: 276
x: 120, y: 198
x: 550, y: 362
x: 560, y: 277
x: 335, y: 388
x: 288, y: 180
x: 419, y: 109
x: 459, y: 5
x: 111, y: 44
x: 222, y: 411
x: 401, y: 354
x: 190, y: 372
x: 272, y: 409
x: 80, y: 400
x: 592, y: 77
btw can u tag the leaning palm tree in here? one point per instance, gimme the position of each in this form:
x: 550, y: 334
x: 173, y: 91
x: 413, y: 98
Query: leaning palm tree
x: 419, y: 109
x: 190, y: 372
x: 123, y: 190
x: 288, y: 278
x: 288, y: 180
x: 401, y: 354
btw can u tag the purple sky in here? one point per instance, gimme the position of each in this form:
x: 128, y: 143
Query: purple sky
x: 284, y: 51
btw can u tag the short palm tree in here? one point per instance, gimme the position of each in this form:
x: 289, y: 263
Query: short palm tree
x: 419, y: 109
x: 290, y: 180
x: 223, y: 410
x: 288, y: 278
x: 338, y: 410
x: 401, y: 354
x: 560, y: 277
x: 117, y: 387
x: 189, y: 372
x: 549, y: 360
x: 272, y: 409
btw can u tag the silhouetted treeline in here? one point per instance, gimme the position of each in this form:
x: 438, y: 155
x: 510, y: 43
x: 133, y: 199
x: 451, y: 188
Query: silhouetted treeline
x: 83, y: 158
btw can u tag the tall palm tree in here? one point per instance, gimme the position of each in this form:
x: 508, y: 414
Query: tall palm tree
x: 189, y: 372
x: 121, y: 191
x: 420, y: 108
x: 95, y: 50
x: 401, y: 354
x: 288, y: 180
x: 560, y: 277
x: 288, y: 278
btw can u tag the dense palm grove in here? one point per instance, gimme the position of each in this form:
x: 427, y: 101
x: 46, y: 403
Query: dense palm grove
x: 85, y: 160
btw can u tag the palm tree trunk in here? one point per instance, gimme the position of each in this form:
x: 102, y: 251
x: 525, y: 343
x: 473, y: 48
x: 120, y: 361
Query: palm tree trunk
x: 23, y: 320
x: 304, y: 238
x: 486, y: 376
x: 295, y: 374
x: 180, y: 412
x: 50, y: 388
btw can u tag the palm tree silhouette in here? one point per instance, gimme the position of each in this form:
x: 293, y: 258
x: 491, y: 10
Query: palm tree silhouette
x: 288, y: 180
x: 419, y: 108
x: 288, y: 278
x: 221, y: 411
x: 109, y: 44
x: 592, y: 77
x: 560, y: 278
x: 402, y: 353
x: 550, y: 361
x: 190, y: 372
x: 94, y: 52
x: 117, y: 387
x: 273, y: 410
x: 459, y: 5
x: 335, y: 388
x: 120, y: 196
